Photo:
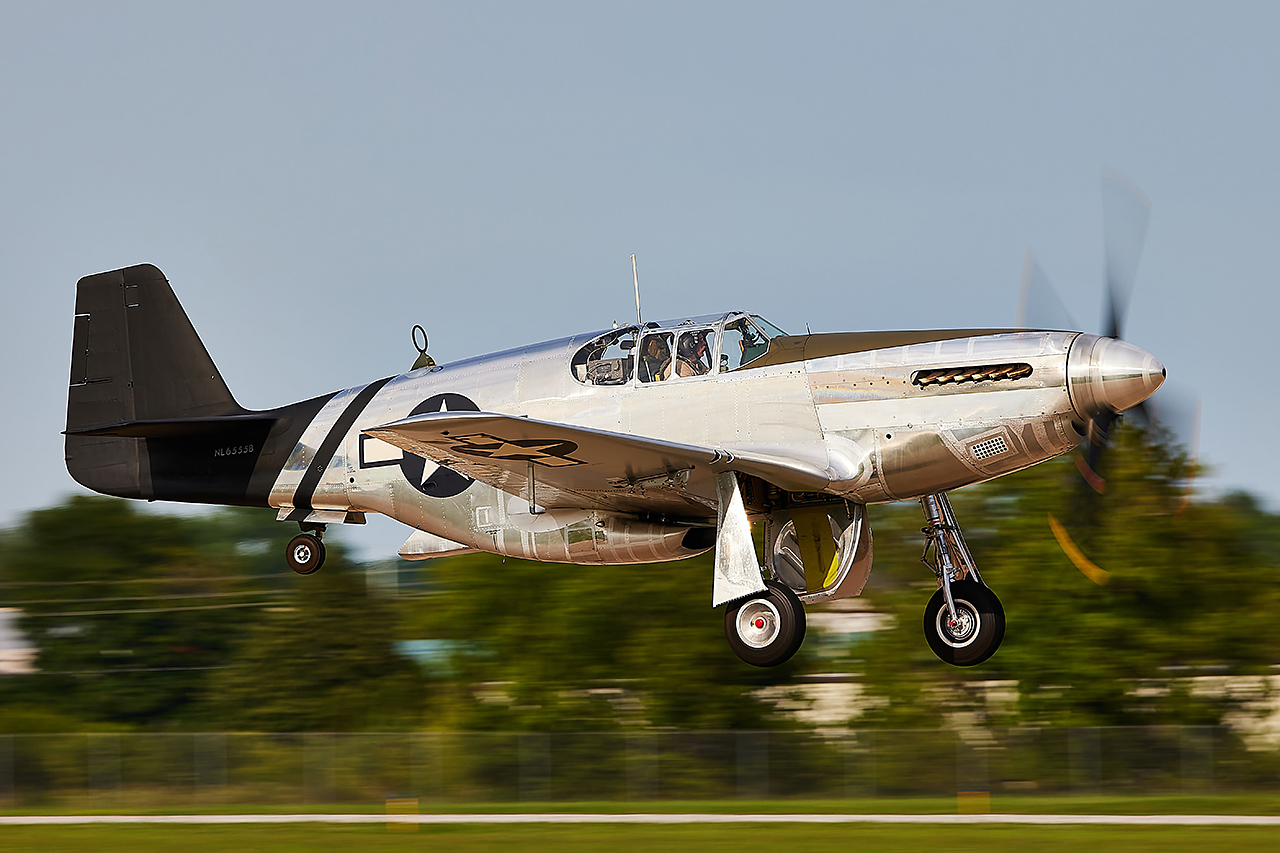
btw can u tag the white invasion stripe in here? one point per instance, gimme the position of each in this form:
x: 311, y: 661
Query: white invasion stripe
x: 944, y: 819
x: 300, y: 457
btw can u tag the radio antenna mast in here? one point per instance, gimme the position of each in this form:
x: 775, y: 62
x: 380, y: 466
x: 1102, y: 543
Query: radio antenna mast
x: 635, y: 277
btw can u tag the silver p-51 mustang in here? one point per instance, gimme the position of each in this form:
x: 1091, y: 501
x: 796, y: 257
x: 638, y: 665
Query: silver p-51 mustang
x: 640, y: 444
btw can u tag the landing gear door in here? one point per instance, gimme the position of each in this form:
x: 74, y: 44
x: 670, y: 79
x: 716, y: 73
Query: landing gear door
x: 823, y: 553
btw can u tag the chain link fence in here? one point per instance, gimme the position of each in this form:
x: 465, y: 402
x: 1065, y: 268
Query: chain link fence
x: 172, y: 770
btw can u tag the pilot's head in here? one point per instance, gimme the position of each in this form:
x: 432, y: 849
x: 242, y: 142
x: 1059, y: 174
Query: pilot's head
x: 691, y: 346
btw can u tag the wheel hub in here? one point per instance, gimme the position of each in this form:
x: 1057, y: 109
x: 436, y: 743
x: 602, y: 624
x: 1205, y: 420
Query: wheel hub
x: 302, y: 554
x: 959, y: 630
x: 759, y: 623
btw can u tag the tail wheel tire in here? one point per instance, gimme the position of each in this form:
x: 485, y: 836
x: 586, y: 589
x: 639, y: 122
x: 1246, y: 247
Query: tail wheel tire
x: 305, y: 554
x: 976, y: 631
x: 766, y: 629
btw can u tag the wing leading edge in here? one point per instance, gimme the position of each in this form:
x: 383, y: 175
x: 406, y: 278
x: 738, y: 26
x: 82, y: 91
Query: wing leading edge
x: 556, y: 465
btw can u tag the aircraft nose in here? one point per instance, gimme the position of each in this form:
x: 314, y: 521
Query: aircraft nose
x: 1106, y: 374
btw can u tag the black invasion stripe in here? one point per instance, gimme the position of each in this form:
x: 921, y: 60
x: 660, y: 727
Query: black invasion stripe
x: 311, y: 479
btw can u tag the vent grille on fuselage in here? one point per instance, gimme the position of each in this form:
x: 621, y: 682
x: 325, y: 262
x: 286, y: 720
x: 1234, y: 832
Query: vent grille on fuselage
x: 991, y: 447
x: 979, y: 373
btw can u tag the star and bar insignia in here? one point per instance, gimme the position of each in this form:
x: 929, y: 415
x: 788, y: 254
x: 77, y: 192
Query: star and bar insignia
x: 554, y: 453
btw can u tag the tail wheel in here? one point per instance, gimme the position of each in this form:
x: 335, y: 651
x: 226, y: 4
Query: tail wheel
x: 305, y: 553
x: 975, y: 632
x: 767, y: 628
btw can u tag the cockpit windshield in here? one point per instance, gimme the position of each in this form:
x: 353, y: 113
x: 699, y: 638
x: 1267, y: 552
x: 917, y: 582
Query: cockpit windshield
x: 743, y: 342
x: 769, y: 329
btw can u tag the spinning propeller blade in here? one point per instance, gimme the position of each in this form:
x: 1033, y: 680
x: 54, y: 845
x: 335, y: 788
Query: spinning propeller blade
x: 1086, y: 566
x: 1126, y: 212
x: 1039, y: 306
x: 1126, y: 216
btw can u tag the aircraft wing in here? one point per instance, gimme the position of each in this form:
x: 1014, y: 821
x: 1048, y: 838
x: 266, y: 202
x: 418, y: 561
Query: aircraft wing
x: 556, y: 465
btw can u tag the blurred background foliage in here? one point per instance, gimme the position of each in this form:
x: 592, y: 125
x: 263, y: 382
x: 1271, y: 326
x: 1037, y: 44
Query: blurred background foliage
x: 191, y: 623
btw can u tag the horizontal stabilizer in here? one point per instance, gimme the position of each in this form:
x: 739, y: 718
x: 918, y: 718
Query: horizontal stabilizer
x: 177, y: 427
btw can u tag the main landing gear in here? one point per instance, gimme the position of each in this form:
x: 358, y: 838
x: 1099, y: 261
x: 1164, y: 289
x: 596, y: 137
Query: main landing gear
x: 815, y: 553
x: 767, y: 628
x: 963, y: 622
x: 305, y: 554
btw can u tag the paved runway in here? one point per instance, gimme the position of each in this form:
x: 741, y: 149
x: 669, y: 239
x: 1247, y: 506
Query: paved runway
x: 1037, y: 819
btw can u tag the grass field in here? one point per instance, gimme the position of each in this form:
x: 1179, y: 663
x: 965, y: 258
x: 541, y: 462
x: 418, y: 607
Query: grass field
x: 622, y: 839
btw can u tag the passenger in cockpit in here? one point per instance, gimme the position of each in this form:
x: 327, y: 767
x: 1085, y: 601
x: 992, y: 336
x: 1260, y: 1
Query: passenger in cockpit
x: 655, y: 359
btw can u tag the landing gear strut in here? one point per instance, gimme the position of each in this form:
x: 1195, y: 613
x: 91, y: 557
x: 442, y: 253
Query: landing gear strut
x: 963, y: 622
x: 305, y: 554
x: 767, y: 628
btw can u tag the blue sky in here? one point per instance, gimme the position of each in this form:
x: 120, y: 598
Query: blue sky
x: 316, y: 177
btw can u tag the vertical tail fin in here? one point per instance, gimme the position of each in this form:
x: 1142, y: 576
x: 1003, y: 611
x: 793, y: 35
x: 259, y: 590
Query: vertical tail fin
x: 144, y: 394
x: 136, y: 356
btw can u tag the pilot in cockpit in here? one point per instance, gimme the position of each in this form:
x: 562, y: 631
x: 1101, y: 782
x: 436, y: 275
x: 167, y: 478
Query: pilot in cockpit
x: 692, y: 356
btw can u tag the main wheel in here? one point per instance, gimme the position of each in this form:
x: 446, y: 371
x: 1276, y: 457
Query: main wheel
x: 305, y: 553
x: 975, y: 633
x: 767, y: 628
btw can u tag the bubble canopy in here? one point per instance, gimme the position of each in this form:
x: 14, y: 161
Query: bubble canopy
x: 674, y: 350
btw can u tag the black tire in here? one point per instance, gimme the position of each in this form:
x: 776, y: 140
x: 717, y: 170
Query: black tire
x: 979, y: 632
x: 305, y: 554
x: 766, y: 629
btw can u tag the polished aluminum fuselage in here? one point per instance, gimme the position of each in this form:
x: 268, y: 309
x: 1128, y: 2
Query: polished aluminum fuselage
x: 881, y: 435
